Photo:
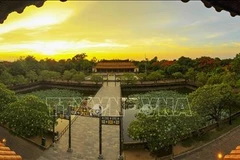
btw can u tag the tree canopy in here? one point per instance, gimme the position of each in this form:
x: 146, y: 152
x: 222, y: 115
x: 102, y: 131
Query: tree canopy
x: 28, y: 116
x: 212, y: 101
x: 6, y: 97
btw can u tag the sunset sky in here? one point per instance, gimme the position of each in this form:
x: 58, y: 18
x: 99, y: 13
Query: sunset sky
x: 120, y: 30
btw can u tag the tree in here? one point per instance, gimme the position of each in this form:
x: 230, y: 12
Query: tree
x: 81, y: 63
x: 201, y: 78
x: 206, y: 63
x: 191, y: 74
x: 142, y: 77
x: 18, y: 68
x: 236, y: 64
x: 78, y: 77
x: 67, y: 75
x: 155, y: 76
x: 162, y: 131
x: 238, y: 83
x: 32, y: 76
x: 173, y: 68
x: 129, y: 78
x: 94, y: 60
x: 31, y: 64
x: 6, y: 78
x: 79, y: 57
x: 177, y: 75
x: 214, y: 79
x: 6, y: 97
x: 28, y: 116
x: 185, y: 61
x: 96, y: 78
x: 230, y: 78
x: 45, y: 75
x: 19, y: 79
x: 2, y: 67
x: 54, y: 75
x: 210, y: 101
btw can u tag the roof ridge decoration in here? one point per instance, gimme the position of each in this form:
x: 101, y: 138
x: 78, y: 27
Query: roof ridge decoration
x: 9, y: 6
x: 231, y: 6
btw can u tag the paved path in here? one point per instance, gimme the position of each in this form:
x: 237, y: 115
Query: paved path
x: 222, y: 145
x: 27, y: 150
x: 85, y: 137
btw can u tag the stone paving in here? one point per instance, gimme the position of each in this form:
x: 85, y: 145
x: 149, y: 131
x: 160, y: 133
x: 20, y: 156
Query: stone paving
x: 26, y: 149
x: 223, y: 144
x: 85, y: 140
x: 85, y: 131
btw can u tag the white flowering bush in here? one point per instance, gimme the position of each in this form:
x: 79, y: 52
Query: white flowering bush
x: 162, y: 124
x: 28, y: 116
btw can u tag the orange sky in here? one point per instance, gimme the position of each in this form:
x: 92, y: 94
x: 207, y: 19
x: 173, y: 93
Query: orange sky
x: 120, y: 30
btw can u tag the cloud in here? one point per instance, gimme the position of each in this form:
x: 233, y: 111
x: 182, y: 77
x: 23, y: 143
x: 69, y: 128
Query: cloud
x: 214, y: 35
x: 54, y: 47
x: 37, y: 20
x: 236, y: 44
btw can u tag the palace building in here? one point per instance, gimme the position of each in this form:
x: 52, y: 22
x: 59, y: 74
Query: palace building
x: 115, y: 66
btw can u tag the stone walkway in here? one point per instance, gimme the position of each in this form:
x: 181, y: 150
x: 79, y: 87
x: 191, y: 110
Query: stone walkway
x: 85, y: 131
x: 222, y: 145
x: 26, y: 149
x: 85, y: 138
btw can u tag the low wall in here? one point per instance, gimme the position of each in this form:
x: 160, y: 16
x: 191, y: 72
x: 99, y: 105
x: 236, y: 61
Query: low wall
x: 156, y: 86
x: 84, y: 87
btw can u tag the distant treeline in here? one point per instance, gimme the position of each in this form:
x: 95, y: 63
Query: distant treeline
x: 202, y: 70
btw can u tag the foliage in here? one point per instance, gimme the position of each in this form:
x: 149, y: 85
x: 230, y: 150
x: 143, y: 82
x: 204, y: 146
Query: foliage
x: 45, y: 75
x: 19, y: 79
x: 236, y: 63
x: 32, y: 76
x: 173, y: 68
x: 230, y: 78
x: 54, y: 75
x: 238, y: 83
x: 177, y: 75
x: 142, y: 77
x: 50, y: 69
x: 6, y: 78
x: 191, y: 74
x: 154, y: 122
x: 67, y: 75
x: 162, y: 131
x: 6, y: 97
x: 78, y: 77
x: 18, y: 68
x: 214, y: 79
x: 201, y: 78
x: 129, y: 78
x: 28, y: 116
x: 155, y: 76
x: 96, y: 78
x: 185, y: 62
x: 43, y: 94
x: 206, y: 63
x: 211, y: 101
x: 58, y: 97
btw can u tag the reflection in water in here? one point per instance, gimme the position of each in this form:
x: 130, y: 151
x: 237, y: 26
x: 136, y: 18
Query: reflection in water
x: 129, y: 116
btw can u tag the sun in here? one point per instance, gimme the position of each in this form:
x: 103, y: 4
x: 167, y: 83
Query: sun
x: 46, y: 48
x: 49, y: 52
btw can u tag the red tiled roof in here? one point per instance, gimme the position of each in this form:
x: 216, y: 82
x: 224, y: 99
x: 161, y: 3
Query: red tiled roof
x: 115, y: 65
x: 7, y: 154
x: 234, y: 154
